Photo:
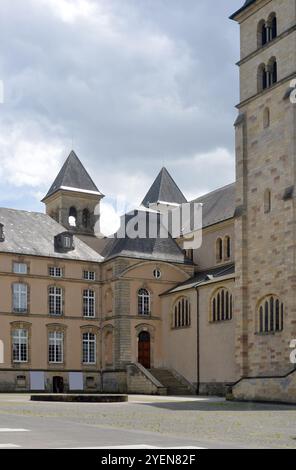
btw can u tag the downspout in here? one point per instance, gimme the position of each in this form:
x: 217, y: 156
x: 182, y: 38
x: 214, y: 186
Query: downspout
x: 101, y: 333
x: 197, y: 343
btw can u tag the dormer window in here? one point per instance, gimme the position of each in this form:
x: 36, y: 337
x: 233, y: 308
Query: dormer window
x: 64, y: 242
x: 2, y: 236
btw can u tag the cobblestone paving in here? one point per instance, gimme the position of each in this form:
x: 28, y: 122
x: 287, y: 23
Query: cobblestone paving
x: 207, y: 420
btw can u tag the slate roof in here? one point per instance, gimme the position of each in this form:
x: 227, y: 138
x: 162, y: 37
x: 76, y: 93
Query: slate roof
x: 149, y: 248
x: 247, y: 4
x: 32, y: 233
x: 164, y: 189
x: 73, y: 175
x: 218, y: 206
x: 208, y: 275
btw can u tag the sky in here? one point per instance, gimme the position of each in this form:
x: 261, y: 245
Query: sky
x: 130, y: 85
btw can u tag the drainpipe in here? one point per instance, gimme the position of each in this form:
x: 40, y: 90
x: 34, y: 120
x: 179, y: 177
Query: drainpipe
x: 197, y: 343
x: 101, y: 334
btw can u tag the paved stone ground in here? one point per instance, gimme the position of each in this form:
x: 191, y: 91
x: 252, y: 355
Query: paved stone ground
x: 162, y: 421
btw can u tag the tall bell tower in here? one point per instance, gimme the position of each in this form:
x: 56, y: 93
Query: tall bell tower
x: 265, y: 224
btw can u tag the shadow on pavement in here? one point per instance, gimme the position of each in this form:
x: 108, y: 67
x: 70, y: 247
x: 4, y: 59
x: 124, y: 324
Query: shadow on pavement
x: 209, y: 406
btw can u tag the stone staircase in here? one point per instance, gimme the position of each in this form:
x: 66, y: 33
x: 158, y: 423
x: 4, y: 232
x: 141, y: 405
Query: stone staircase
x: 174, y: 384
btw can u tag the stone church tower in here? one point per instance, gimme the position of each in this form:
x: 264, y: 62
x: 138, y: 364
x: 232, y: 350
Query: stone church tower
x: 73, y: 199
x: 265, y: 301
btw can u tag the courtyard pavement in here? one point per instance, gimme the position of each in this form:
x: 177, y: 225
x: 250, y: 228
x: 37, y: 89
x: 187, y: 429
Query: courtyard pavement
x: 160, y: 422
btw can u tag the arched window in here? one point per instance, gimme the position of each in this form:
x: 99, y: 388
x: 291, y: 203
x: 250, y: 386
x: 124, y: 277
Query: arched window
x: 272, y: 71
x: 144, y: 302
x: 182, y: 313
x: 266, y: 118
x: 262, y: 78
x: 219, y: 250
x: 227, y: 248
x: 72, y: 217
x: 86, y: 218
x: 267, y: 201
x: 221, y: 306
x: 270, y: 315
x: 272, y: 27
x: 262, y: 33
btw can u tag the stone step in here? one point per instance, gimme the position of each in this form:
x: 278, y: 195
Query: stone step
x: 173, y: 385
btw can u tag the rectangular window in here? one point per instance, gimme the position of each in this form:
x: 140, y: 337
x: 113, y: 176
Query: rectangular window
x: 55, y: 300
x: 89, y: 275
x: 56, y: 347
x: 20, y: 298
x: 20, y: 268
x: 67, y: 242
x: 89, y: 303
x: 20, y: 345
x: 54, y: 271
x: 89, y: 348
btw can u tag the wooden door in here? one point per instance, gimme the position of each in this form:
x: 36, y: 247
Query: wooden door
x: 144, y: 350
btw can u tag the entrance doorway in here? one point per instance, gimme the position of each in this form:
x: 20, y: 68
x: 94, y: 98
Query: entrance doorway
x: 144, y: 350
x: 58, y: 385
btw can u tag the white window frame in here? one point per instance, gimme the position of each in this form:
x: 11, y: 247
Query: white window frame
x: 144, y: 302
x: 55, y: 301
x: 20, y: 341
x: 89, y: 348
x: 89, y: 275
x: 20, y: 297
x: 20, y: 268
x: 67, y: 242
x: 89, y: 303
x: 55, y: 271
x: 55, y: 347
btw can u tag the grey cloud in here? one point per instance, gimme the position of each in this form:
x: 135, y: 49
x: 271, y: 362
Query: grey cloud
x: 156, y: 84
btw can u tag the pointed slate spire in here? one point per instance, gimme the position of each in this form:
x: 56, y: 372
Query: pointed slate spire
x: 73, y: 176
x: 164, y: 189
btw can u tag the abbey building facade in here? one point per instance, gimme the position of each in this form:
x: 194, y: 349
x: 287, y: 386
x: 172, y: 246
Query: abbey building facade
x: 148, y: 315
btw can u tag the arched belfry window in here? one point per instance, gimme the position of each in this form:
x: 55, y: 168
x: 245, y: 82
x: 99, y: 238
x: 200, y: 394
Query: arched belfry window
x: 86, y: 218
x: 262, y: 78
x: 267, y: 75
x: 273, y: 71
x: 182, y: 313
x: 72, y: 216
x: 267, y: 30
x: 272, y: 27
x: 262, y: 33
x: 270, y: 315
x: 144, y: 302
x: 221, y: 306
